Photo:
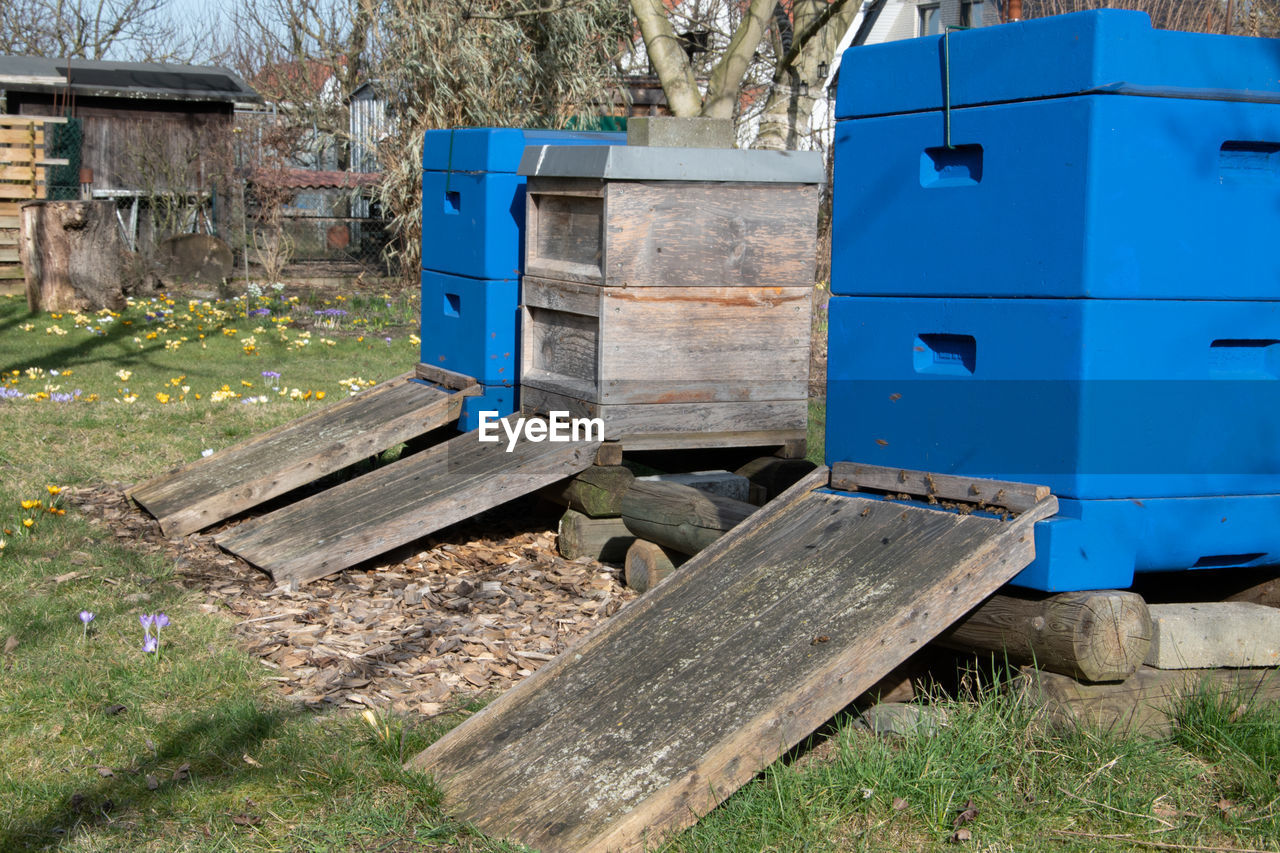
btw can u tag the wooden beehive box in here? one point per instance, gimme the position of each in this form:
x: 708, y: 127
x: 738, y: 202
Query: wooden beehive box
x: 668, y: 292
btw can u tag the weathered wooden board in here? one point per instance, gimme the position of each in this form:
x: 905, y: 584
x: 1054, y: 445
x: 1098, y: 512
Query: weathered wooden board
x: 401, y: 502
x: 20, y: 191
x: 704, y: 344
x: 28, y: 121
x: 19, y: 138
x: 651, y: 426
x: 564, y: 231
x: 666, y: 345
x: 746, y: 650
x: 665, y: 233
x: 1014, y: 496
x: 247, y: 474
x: 671, y: 233
x: 17, y: 173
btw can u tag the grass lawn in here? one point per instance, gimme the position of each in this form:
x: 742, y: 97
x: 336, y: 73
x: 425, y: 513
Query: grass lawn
x: 106, y: 746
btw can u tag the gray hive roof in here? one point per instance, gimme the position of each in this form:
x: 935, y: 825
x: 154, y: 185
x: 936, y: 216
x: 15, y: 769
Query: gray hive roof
x: 101, y: 78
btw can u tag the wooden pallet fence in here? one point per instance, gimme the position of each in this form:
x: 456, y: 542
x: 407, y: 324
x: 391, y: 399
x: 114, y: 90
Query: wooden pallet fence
x: 22, y: 179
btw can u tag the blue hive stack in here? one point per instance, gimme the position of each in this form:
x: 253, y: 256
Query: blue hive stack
x: 473, y: 208
x: 1054, y: 262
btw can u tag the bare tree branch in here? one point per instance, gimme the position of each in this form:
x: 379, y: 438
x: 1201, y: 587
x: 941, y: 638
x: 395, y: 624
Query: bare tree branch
x: 523, y: 13
x: 97, y: 29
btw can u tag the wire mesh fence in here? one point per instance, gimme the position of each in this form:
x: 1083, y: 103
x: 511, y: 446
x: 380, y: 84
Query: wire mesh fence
x: 64, y: 142
x: 322, y: 245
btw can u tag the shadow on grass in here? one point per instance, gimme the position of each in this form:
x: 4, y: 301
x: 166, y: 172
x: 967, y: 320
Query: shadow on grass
x: 86, y: 351
x: 220, y: 737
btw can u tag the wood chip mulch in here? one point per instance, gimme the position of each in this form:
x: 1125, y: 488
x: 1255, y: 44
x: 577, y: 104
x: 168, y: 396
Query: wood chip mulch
x: 468, y: 611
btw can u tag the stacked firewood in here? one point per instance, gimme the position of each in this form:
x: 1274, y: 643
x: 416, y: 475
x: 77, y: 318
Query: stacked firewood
x: 652, y: 524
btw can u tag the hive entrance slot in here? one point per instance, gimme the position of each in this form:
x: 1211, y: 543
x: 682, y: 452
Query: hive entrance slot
x: 958, y: 166
x: 1248, y: 161
x: 1222, y: 561
x: 944, y: 353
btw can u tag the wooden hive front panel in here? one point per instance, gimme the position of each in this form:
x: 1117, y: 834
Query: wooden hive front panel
x: 670, y: 366
x: 671, y: 233
x: 564, y: 229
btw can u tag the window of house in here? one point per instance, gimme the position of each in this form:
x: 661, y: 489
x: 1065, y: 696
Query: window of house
x: 930, y: 19
x: 970, y: 13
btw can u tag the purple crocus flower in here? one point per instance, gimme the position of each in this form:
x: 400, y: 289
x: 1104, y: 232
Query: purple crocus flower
x: 150, y: 644
x: 86, y: 616
x: 161, y: 621
x: 147, y: 621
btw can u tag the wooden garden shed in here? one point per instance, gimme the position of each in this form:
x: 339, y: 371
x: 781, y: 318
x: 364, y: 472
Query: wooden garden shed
x: 133, y: 132
x: 131, y: 114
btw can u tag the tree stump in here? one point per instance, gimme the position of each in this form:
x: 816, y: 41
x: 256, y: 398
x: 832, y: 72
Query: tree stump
x: 73, y: 256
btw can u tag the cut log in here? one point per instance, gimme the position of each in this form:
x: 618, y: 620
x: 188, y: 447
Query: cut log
x: 74, y: 256
x: 721, y: 483
x: 648, y: 564
x: 603, y: 539
x: 774, y: 474
x: 1145, y: 702
x: 610, y: 453
x: 596, y: 492
x: 680, y: 517
x: 1092, y: 636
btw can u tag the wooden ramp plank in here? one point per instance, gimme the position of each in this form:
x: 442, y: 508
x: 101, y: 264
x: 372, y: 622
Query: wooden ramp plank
x: 240, y: 477
x: 666, y: 709
x: 394, y: 505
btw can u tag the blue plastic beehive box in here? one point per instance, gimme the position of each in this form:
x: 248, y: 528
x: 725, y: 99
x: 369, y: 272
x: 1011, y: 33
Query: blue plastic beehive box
x: 1093, y: 398
x: 473, y: 200
x: 1092, y: 156
x: 1099, y: 544
x: 499, y: 400
x: 471, y: 326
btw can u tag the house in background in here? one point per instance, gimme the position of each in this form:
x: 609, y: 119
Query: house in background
x: 369, y: 123
x: 156, y: 138
x: 880, y: 21
x: 892, y: 20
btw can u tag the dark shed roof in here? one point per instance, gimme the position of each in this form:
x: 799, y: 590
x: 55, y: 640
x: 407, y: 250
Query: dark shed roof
x: 98, y: 78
